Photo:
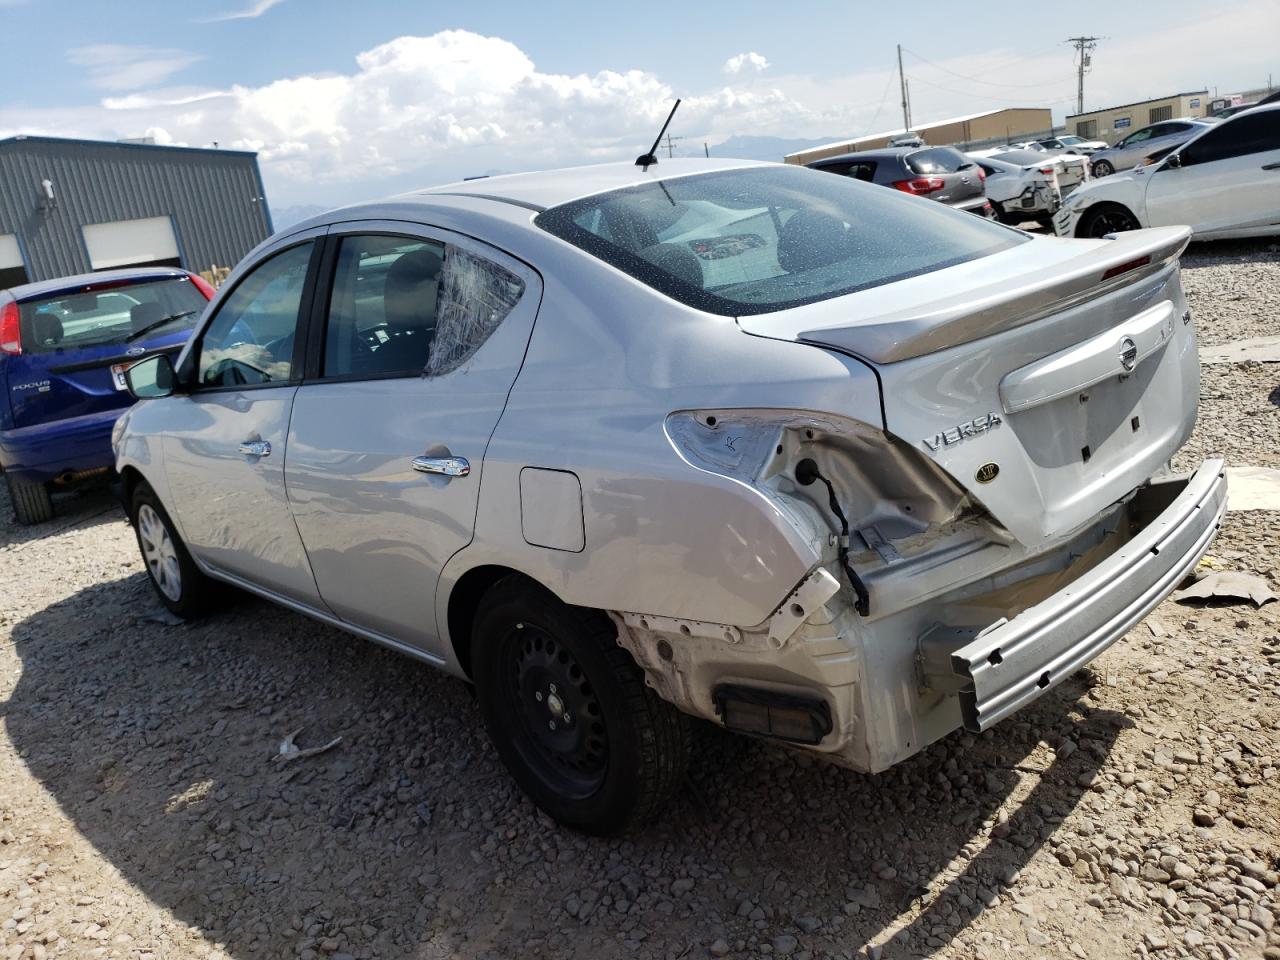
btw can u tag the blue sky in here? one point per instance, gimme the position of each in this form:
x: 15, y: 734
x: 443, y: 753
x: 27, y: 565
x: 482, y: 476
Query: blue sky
x: 350, y: 100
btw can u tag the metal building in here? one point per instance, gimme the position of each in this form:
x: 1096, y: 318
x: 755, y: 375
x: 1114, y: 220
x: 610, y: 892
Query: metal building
x: 74, y: 206
x: 1011, y: 123
x: 1115, y: 123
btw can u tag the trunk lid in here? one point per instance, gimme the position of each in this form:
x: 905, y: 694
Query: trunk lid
x: 1049, y: 380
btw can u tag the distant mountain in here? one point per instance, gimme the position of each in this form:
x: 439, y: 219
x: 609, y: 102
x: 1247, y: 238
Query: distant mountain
x: 764, y: 148
x: 287, y: 216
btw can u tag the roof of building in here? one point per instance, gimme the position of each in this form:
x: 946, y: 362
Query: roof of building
x: 1138, y: 103
x: 72, y: 141
x: 917, y: 128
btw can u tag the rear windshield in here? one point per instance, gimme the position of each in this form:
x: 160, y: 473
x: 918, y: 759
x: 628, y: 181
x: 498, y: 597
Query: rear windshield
x: 111, y: 314
x: 937, y: 160
x: 741, y: 242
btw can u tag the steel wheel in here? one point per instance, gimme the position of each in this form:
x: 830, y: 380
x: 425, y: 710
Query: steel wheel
x: 159, y: 553
x: 1109, y: 219
x: 1103, y: 169
x: 560, y: 718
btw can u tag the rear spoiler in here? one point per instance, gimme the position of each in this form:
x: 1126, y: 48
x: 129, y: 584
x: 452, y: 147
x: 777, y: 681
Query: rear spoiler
x: 948, y: 322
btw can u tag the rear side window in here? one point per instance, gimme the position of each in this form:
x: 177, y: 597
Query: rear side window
x: 114, y: 313
x: 756, y: 240
x: 403, y: 306
x: 937, y: 160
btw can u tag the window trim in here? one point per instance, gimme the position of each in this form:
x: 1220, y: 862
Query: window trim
x: 301, y: 329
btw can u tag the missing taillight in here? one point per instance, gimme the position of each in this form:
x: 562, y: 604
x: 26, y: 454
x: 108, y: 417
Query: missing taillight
x: 1126, y: 267
x: 10, y: 329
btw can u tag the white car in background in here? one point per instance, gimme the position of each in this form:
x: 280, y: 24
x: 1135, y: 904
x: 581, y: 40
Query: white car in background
x: 1021, y: 192
x: 1069, y: 170
x: 1223, y: 183
x: 1072, y: 144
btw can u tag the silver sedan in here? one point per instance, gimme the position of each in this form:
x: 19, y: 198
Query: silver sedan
x: 794, y: 454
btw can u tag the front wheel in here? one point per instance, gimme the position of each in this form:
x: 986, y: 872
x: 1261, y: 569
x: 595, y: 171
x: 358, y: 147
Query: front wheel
x: 1107, y: 218
x: 1103, y: 168
x: 182, y: 588
x: 569, y: 712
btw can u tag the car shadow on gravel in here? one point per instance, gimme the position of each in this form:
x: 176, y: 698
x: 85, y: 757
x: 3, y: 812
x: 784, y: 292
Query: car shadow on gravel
x: 80, y: 507
x: 408, y: 839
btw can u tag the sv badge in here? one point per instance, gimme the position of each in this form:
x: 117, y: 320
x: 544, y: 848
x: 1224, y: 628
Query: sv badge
x: 963, y: 431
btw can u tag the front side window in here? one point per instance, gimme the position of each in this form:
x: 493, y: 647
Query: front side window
x: 251, y: 339
x: 407, y: 307
x: 112, y: 313
x: 1247, y: 133
x: 760, y: 239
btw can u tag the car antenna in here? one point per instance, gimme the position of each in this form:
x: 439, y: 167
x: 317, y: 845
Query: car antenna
x: 644, y: 161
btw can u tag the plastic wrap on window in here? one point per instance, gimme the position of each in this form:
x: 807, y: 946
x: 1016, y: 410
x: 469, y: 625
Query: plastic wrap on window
x: 475, y: 296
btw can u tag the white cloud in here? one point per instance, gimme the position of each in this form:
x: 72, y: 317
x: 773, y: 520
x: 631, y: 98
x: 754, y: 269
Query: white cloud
x: 751, y: 62
x: 424, y: 110
x: 251, y: 12
x: 115, y: 66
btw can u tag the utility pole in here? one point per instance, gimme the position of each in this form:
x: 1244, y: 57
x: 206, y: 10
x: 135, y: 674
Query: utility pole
x: 1084, y: 46
x: 906, y: 104
x: 670, y: 145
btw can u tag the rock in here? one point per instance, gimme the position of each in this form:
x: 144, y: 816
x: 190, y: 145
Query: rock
x: 719, y: 948
x: 1156, y: 940
x: 785, y: 944
x: 1202, y: 817
x: 1036, y: 938
x: 809, y: 924
x: 682, y: 886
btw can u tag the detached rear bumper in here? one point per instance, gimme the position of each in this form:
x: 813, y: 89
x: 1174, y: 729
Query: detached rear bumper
x: 46, y: 451
x: 1012, y: 663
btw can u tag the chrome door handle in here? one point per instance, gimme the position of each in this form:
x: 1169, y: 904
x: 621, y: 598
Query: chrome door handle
x: 445, y: 466
x: 255, y: 448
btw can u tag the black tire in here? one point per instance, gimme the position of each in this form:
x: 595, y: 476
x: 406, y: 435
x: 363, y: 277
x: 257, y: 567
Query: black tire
x: 1104, y: 218
x: 622, y: 752
x: 194, y: 594
x: 1046, y: 223
x: 1103, y: 168
x: 1001, y: 216
x: 32, y: 502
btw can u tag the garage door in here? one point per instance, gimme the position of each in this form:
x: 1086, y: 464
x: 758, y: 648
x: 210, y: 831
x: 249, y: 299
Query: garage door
x: 12, y: 270
x: 132, y: 243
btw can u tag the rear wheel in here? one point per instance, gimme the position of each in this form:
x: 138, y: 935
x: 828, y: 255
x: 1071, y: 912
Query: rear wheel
x: 1107, y: 218
x: 569, y: 712
x: 32, y: 502
x: 1103, y: 168
x: 999, y: 210
x: 182, y: 588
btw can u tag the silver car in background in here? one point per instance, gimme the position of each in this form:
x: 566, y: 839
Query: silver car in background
x: 1132, y: 149
x: 809, y: 459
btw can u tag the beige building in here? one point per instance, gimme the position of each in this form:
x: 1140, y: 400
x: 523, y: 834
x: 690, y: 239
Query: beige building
x: 1012, y: 123
x: 1115, y: 123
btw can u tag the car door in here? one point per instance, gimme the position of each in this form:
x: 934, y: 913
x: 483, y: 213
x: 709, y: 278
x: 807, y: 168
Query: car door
x: 1130, y: 150
x: 1226, y: 179
x: 412, y: 356
x: 224, y: 448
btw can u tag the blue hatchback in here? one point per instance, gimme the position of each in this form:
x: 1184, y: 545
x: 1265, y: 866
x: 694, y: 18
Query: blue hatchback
x: 64, y: 346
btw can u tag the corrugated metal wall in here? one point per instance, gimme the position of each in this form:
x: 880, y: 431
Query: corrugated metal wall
x: 214, y: 197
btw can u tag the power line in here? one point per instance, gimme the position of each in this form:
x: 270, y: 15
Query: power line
x: 883, y: 97
x: 993, y: 83
x: 1039, y: 101
x: 1084, y: 47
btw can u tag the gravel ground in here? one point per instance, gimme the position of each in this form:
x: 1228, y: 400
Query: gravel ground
x: 1132, y: 811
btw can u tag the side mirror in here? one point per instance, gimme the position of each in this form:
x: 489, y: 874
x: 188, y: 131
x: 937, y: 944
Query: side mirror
x: 151, y: 378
